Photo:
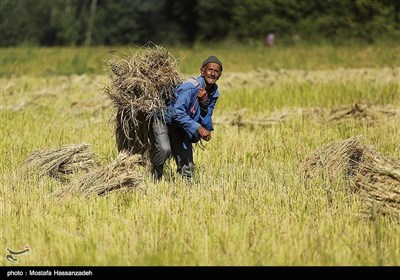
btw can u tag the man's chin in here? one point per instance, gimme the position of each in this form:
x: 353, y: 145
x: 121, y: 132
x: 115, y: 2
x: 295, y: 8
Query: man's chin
x: 211, y: 81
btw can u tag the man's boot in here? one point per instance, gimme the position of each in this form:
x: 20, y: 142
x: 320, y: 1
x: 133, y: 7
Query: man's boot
x: 157, y: 171
x: 187, y: 171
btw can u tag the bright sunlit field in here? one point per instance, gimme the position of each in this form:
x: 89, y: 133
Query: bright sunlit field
x: 247, y: 204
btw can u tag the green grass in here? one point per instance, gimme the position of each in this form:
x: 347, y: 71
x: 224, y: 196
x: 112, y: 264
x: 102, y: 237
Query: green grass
x: 247, y: 204
x: 236, y: 58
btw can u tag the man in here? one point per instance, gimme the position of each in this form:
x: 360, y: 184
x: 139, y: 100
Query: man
x: 188, y: 119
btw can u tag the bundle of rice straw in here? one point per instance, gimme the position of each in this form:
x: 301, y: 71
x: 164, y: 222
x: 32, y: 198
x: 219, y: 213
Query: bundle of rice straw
x: 378, y: 183
x: 373, y: 176
x: 363, y: 112
x: 356, y: 111
x: 121, y: 174
x: 334, y: 159
x: 140, y: 85
x: 60, y: 162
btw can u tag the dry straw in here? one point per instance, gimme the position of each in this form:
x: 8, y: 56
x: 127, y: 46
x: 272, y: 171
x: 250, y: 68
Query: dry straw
x: 61, y: 162
x: 140, y: 83
x: 378, y: 183
x: 366, y: 113
x: 122, y: 174
x: 334, y: 159
x: 373, y: 176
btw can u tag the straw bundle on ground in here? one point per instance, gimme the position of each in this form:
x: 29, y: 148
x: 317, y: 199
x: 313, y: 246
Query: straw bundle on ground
x: 334, y: 159
x: 356, y: 111
x: 364, y: 112
x: 373, y: 176
x: 140, y: 84
x: 378, y: 183
x: 121, y: 174
x: 60, y: 162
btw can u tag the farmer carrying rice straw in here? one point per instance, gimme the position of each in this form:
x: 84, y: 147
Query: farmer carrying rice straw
x: 158, y: 115
x: 188, y: 119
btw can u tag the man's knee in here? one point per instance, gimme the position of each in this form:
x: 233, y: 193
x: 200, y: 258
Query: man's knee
x: 164, y: 150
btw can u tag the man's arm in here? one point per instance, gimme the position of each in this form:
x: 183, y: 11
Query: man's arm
x: 184, y: 100
x: 206, y: 115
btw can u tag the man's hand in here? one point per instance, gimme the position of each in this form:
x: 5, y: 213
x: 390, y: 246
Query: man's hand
x: 204, y: 133
x: 202, y: 95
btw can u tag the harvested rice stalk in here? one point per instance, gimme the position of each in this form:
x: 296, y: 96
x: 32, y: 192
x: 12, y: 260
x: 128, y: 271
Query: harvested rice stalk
x: 362, y: 112
x: 378, y: 183
x: 60, y: 162
x: 140, y: 84
x: 121, y: 174
x: 334, y: 159
x: 357, y: 111
x: 373, y: 176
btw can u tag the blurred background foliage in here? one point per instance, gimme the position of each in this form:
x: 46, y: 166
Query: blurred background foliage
x: 189, y: 22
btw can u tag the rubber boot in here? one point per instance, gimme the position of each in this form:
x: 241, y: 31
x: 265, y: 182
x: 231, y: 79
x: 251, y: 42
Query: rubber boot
x: 187, y: 171
x: 157, y: 171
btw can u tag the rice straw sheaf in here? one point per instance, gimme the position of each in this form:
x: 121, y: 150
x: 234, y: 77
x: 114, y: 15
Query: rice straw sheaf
x: 334, y: 159
x: 356, y: 111
x: 373, y: 176
x: 378, y: 183
x: 60, y: 162
x: 362, y: 112
x: 122, y: 174
x: 140, y: 83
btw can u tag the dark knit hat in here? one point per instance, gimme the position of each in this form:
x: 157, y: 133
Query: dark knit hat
x: 211, y: 59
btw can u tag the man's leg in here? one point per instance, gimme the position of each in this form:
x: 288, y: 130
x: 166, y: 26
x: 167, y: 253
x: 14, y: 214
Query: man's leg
x: 182, y: 150
x: 162, y: 148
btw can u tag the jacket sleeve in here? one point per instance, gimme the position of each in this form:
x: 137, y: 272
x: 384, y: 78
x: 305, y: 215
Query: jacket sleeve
x: 206, y: 121
x: 181, y: 109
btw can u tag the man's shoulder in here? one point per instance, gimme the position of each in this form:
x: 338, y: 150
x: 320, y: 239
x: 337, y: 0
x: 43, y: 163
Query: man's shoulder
x: 191, y: 82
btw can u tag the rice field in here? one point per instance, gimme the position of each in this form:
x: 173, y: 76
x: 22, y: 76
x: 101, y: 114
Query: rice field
x: 248, y: 204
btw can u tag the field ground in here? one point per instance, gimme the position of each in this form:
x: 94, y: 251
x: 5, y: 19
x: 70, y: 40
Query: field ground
x: 247, y: 204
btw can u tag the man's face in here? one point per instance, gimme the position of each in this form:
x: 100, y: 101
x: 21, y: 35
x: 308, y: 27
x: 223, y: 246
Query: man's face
x: 211, y: 72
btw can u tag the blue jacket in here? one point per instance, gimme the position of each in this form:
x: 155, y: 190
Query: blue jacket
x: 183, y: 109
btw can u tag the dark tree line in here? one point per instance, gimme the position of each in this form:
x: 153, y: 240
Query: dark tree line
x: 117, y: 22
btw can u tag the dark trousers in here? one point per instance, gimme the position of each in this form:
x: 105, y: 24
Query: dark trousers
x: 173, y: 140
